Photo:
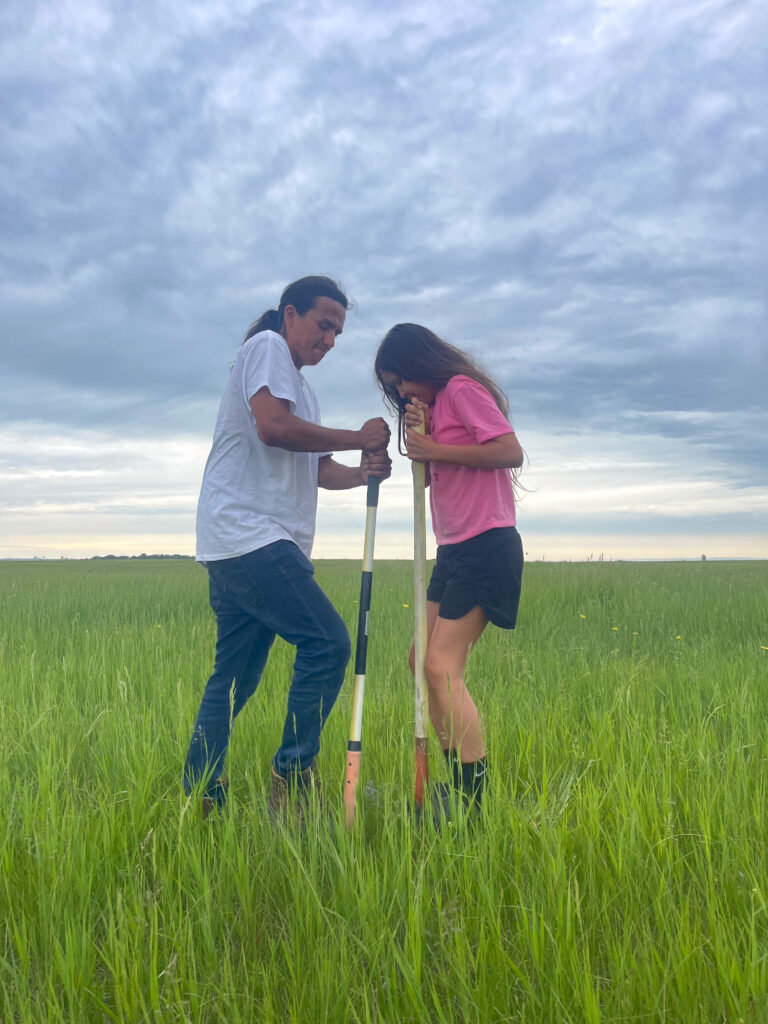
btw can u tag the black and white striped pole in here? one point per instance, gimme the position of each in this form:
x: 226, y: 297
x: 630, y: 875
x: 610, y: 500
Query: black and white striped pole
x: 366, y: 583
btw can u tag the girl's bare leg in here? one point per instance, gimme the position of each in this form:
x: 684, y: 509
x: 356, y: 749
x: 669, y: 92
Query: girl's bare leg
x: 451, y: 708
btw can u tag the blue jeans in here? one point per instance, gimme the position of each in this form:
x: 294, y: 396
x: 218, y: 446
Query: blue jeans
x: 255, y: 597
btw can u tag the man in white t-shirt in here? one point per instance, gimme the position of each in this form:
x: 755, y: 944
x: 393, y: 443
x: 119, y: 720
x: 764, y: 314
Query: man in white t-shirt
x: 255, y: 527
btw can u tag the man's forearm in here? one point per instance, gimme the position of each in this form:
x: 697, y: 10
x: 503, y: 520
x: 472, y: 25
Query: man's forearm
x: 278, y: 427
x: 333, y: 476
x: 297, y: 435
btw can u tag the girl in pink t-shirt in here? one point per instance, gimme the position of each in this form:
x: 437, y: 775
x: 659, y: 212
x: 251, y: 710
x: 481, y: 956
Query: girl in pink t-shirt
x: 470, y: 449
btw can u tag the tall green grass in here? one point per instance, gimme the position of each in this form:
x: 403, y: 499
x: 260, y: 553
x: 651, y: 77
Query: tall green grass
x: 619, y: 872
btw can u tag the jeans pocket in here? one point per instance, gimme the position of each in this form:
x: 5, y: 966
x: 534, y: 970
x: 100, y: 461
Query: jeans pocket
x: 233, y: 585
x: 284, y: 560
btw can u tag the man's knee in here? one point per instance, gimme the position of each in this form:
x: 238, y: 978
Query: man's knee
x: 333, y: 649
x: 342, y: 645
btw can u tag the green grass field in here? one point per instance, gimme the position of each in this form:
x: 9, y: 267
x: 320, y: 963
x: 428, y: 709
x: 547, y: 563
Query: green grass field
x: 619, y: 872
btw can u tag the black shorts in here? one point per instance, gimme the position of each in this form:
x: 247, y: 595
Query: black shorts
x: 486, y: 570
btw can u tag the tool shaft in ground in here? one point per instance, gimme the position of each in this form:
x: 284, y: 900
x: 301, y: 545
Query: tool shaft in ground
x: 361, y: 655
x: 420, y: 614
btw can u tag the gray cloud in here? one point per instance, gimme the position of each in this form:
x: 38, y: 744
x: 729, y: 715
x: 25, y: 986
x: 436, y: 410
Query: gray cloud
x: 575, y: 192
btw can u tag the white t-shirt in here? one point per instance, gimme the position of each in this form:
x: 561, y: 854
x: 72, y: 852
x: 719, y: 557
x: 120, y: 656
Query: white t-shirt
x: 253, y: 495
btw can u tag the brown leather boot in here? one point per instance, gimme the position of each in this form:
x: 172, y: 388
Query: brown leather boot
x: 289, y: 798
x: 217, y: 799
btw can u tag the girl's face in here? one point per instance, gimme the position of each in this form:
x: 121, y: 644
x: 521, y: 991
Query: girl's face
x: 409, y: 388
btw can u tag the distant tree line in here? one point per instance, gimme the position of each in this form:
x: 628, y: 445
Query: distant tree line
x: 126, y: 557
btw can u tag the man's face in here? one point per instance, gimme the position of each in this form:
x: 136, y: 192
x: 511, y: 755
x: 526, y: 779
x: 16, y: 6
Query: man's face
x: 310, y: 336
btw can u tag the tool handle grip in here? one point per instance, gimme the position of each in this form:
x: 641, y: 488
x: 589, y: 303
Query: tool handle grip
x: 373, y: 491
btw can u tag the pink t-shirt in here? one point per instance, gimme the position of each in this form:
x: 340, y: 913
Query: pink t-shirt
x: 467, y: 500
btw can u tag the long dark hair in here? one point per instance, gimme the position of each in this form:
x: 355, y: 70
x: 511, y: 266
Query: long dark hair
x: 415, y: 353
x: 302, y: 295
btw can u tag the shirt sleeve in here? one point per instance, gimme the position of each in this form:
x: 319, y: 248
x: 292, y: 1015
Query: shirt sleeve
x: 267, y: 363
x: 476, y: 408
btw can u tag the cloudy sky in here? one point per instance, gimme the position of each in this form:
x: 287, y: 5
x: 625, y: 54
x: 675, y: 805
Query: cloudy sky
x: 575, y: 192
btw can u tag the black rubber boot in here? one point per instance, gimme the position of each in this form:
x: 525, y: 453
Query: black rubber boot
x: 472, y: 778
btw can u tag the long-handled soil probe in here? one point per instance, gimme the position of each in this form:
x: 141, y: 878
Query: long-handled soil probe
x: 366, y: 583
x: 420, y: 635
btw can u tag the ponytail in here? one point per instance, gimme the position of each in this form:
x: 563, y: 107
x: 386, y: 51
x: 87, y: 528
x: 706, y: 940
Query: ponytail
x: 272, y: 320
